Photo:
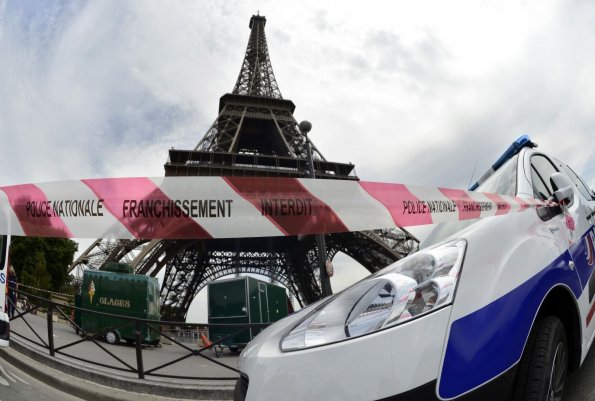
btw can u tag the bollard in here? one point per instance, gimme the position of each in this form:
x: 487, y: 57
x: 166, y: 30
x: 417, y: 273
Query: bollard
x: 50, y: 329
x: 139, y: 348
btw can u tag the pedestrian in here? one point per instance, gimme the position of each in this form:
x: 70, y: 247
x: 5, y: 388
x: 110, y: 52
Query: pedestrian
x: 13, y: 286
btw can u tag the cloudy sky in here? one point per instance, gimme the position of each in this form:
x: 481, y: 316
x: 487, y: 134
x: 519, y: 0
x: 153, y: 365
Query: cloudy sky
x: 410, y: 92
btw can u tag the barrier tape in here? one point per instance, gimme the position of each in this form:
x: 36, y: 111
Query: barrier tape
x: 227, y: 207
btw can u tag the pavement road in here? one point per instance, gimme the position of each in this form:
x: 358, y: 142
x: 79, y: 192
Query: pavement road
x: 581, y: 384
x: 16, y: 385
x: 152, y: 357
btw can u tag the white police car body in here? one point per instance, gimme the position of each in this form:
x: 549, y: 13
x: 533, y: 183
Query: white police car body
x: 500, y: 308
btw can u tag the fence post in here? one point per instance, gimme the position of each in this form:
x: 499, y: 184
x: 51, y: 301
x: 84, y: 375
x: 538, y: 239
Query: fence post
x: 50, y: 329
x: 139, y: 348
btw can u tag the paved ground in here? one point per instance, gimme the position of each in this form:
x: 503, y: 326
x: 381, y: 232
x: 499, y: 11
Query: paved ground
x: 16, y: 385
x: 581, y: 384
x: 66, y: 387
x: 193, y: 366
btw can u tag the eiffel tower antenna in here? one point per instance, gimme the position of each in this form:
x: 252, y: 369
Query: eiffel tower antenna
x: 256, y: 75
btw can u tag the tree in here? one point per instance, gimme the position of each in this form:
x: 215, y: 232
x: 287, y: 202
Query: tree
x: 42, y: 262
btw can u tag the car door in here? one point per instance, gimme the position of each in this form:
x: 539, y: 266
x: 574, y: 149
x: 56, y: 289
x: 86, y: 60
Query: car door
x: 583, y: 246
x: 576, y: 229
x: 573, y: 229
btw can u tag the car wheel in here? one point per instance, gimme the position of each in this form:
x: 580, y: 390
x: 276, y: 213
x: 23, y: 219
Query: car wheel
x: 544, y: 365
x: 112, y: 337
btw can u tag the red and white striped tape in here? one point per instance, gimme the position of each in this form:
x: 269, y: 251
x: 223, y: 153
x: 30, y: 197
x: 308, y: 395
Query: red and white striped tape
x: 226, y: 207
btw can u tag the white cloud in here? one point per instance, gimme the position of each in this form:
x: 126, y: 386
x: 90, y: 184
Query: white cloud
x: 107, y: 89
x: 412, y: 92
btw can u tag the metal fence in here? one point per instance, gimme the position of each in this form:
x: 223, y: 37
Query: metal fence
x: 186, y: 339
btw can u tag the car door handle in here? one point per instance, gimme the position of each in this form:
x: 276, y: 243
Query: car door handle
x: 553, y: 228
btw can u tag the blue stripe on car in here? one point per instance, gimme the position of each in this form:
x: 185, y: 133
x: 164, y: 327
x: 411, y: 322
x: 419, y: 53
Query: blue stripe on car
x: 489, y: 341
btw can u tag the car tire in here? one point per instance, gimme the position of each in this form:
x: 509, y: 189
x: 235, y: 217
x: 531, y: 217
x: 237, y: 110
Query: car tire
x: 544, y: 364
x: 112, y: 337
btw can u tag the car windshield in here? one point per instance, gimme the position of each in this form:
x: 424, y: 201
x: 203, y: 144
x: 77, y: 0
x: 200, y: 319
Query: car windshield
x: 503, y: 181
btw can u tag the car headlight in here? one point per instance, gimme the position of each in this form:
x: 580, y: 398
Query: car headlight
x: 412, y: 287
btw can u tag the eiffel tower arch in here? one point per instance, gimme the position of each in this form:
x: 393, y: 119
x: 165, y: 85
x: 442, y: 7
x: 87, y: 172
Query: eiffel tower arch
x: 254, y: 134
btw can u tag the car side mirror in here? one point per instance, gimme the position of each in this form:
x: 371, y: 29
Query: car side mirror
x: 563, y: 192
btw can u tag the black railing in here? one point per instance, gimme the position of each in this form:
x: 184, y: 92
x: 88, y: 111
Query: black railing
x: 181, y: 162
x: 36, y: 303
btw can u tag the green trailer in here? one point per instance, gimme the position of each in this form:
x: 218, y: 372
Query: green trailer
x: 242, y: 301
x: 117, y: 290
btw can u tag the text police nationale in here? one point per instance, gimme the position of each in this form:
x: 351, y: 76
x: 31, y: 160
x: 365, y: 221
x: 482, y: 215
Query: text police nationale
x: 65, y: 208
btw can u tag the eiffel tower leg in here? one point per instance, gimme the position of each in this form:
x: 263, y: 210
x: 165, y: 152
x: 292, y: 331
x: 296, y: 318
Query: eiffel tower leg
x: 304, y: 265
x: 181, y: 277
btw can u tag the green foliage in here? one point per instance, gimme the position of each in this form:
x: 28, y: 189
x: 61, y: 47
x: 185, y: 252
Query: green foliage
x: 42, y: 262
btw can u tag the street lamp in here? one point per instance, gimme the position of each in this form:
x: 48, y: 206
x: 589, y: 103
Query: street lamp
x: 325, y: 282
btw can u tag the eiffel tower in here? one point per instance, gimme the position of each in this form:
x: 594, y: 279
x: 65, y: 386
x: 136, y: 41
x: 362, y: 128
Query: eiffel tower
x: 254, y: 134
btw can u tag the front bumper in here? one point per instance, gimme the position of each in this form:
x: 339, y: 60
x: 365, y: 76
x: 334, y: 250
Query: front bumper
x: 498, y: 389
x: 371, y: 367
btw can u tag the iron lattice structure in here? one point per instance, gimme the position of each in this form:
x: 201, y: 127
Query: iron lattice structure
x: 254, y: 134
x: 254, y: 118
x: 256, y: 75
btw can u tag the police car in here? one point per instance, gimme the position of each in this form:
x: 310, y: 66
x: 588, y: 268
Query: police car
x: 497, y: 309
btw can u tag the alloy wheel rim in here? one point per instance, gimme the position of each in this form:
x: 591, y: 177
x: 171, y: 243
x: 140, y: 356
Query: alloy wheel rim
x: 557, y: 374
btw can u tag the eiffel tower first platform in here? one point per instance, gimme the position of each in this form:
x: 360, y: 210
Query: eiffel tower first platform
x: 254, y: 134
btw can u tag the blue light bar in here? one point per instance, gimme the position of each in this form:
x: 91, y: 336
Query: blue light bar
x: 522, y: 142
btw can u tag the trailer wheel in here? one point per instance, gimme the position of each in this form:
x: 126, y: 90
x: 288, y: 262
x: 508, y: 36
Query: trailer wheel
x: 112, y: 337
x: 218, y: 350
x: 544, y: 365
x: 234, y: 349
